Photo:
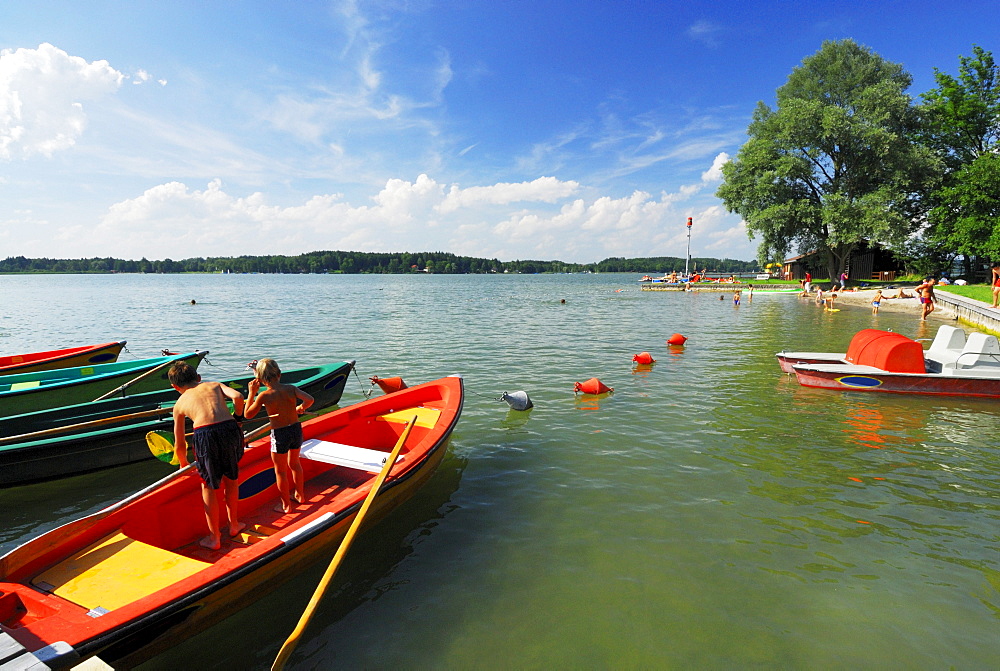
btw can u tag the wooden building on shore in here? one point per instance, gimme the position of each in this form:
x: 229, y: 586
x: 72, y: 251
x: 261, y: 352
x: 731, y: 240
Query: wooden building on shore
x: 866, y: 263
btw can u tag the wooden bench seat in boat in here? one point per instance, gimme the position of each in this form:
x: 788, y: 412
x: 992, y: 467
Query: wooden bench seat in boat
x: 114, y: 572
x: 344, y: 455
x: 362, y: 458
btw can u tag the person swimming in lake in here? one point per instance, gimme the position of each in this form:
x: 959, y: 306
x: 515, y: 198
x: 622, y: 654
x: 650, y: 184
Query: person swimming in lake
x: 736, y: 298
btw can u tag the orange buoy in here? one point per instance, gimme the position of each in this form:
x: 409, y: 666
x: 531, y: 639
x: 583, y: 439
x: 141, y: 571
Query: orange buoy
x: 388, y: 384
x: 592, y: 386
x: 676, y: 339
x: 644, y: 357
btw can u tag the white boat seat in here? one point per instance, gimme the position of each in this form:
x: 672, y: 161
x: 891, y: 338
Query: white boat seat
x: 977, y: 345
x: 946, y: 349
x: 948, y: 338
x: 340, y: 454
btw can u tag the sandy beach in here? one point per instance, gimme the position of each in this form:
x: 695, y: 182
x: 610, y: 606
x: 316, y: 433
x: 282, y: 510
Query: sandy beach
x: 888, y: 304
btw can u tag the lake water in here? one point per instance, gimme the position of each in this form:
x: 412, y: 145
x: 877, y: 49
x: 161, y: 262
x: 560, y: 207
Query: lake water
x: 710, y: 513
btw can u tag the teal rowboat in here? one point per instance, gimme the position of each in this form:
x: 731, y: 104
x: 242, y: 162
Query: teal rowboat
x: 73, y: 439
x: 42, y: 390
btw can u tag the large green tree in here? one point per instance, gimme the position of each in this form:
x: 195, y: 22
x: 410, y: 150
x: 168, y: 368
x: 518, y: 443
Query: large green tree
x: 961, y: 122
x: 835, y: 163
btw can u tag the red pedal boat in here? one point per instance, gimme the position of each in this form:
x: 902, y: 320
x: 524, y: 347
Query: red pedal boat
x: 891, y: 362
x: 132, y: 580
x: 71, y: 357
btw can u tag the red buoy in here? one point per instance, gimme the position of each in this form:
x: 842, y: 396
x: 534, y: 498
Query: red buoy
x: 592, y: 386
x: 676, y: 339
x: 644, y: 357
x: 388, y: 384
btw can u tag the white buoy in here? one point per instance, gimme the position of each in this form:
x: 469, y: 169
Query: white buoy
x: 517, y: 400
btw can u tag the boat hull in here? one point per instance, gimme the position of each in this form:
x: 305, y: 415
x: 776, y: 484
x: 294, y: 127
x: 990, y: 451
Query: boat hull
x: 786, y: 360
x: 124, y: 441
x: 846, y: 379
x: 61, y: 358
x: 50, y: 582
x: 43, y: 390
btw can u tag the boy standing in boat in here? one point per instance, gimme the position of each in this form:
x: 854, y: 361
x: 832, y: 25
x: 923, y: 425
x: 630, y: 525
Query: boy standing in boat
x: 218, y: 445
x: 284, y: 404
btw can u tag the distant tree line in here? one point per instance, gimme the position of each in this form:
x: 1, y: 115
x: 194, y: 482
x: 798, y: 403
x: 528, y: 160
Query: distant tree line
x: 667, y: 264
x: 361, y: 262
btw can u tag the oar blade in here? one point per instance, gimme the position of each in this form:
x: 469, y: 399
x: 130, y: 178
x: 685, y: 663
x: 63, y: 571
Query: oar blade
x: 161, y: 444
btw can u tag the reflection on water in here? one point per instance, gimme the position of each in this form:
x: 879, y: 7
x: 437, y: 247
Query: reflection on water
x: 711, y: 513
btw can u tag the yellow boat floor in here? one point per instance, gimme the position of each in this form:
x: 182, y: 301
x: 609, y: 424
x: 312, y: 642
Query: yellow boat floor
x: 115, y: 571
x: 426, y: 417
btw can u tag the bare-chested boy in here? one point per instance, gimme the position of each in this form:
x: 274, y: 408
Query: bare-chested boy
x: 284, y: 404
x: 927, y: 299
x: 218, y: 445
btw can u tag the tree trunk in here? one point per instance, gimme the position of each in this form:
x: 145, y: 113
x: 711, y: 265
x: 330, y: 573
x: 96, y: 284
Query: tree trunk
x: 836, y: 260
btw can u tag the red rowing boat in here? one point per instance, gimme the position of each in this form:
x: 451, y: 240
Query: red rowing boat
x: 71, y: 357
x: 132, y: 580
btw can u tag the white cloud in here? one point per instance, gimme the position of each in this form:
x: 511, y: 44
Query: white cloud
x: 705, y: 32
x: 714, y: 174
x: 543, y: 189
x: 543, y: 218
x: 42, y: 92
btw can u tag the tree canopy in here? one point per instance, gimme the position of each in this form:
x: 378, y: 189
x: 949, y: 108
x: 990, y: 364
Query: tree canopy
x: 836, y: 162
x: 961, y: 123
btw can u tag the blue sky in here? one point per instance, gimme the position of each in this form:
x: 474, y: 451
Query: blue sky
x: 518, y: 130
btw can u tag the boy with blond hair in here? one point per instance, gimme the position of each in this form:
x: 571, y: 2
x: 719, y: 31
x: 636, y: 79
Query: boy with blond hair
x: 284, y: 404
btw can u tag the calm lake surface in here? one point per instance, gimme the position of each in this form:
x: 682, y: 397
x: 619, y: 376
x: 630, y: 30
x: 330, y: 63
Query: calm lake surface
x: 710, y: 513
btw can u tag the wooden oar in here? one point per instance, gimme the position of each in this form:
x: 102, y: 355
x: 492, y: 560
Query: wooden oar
x: 133, y: 381
x: 84, y: 425
x: 293, y: 639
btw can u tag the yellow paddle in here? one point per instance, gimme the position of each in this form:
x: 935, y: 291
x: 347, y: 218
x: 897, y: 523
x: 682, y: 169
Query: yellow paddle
x: 161, y: 443
x: 293, y: 639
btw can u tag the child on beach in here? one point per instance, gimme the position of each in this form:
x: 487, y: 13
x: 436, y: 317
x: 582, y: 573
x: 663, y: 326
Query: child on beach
x: 284, y: 404
x: 218, y: 444
x: 876, y: 301
x: 830, y: 300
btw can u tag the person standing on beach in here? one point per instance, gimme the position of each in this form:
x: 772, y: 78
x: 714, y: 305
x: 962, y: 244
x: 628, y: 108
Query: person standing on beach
x: 876, y: 301
x: 927, y: 299
x: 843, y: 280
x: 808, y: 285
x: 996, y: 284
